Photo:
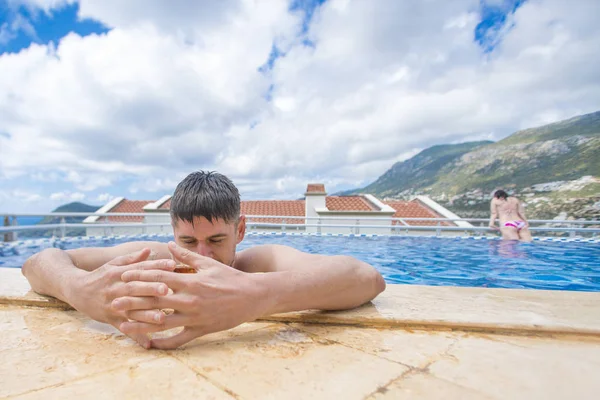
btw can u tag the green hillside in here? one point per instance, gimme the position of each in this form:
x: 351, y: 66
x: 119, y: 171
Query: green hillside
x: 420, y: 171
x: 464, y: 175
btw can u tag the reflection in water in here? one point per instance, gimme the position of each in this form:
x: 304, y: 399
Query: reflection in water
x: 507, y: 249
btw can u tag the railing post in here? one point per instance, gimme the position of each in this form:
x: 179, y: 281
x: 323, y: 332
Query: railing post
x: 15, y: 235
x: 438, y: 231
x: 283, y: 226
x: 7, y: 234
x: 319, y: 225
x: 63, y: 228
x: 357, y: 228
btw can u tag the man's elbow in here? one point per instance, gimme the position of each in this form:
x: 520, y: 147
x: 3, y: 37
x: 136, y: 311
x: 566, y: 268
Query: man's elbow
x: 27, y: 267
x: 372, y: 278
x: 379, y: 283
x: 32, y: 263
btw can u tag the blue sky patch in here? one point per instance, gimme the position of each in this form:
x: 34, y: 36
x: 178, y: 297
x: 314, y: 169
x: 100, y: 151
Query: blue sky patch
x: 20, y: 26
x: 493, y: 20
x: 309, y: 7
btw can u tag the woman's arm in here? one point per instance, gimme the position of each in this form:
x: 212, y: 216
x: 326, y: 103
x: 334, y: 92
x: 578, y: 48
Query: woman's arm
x: 521, y: 212
x: 494, y: 214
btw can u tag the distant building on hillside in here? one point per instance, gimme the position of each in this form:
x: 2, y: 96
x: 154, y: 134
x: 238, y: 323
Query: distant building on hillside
x: 317, y: 213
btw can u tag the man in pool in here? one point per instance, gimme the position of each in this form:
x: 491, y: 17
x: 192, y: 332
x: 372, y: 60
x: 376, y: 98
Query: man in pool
x: 510, y: 211
x: 128, y: 285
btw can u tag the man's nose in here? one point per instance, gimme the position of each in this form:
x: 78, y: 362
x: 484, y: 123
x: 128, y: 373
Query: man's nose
x: 203, y: 249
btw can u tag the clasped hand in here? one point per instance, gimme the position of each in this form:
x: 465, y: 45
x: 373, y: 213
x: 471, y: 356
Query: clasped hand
x: 93, y: 293
x: 216, y: 298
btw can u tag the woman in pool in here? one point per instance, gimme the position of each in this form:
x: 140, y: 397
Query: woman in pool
x: 509, y: 210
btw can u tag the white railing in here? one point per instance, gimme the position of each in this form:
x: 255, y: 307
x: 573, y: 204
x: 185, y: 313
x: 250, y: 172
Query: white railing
x: 391, y: 226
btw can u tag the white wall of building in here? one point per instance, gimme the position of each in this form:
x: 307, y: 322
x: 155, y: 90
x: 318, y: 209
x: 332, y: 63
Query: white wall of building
x: 313, y: 203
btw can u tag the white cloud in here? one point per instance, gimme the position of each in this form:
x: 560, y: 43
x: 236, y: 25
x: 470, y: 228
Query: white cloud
x: 58, y: 196
x: 176, y: 88
x: 105, y: 197
x: 67, y: 196
x: 77, y: 196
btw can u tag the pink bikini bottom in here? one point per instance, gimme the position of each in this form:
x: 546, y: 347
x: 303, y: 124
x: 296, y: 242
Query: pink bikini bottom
x: 518, y: 224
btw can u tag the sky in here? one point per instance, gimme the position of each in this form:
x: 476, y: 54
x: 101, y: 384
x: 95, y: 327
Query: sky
x: 108, y: 98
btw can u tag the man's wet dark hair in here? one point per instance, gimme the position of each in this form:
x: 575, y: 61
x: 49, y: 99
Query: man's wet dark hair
x: 501, y: 194
x: 205, y: 194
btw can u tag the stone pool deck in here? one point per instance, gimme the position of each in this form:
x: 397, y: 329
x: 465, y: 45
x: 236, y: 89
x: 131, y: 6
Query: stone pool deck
x: 411, y: 342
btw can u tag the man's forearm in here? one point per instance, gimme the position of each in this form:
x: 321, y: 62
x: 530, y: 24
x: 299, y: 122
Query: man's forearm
x: 50, y: 272
x: 338, y: 284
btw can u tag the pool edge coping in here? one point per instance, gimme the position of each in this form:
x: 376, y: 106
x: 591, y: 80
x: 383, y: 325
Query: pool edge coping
x: 526, y: 311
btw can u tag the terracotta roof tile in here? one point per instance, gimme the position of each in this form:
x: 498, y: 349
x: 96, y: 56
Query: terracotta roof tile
x: 315, y: 188
x: 293, y: 208
x: 348, y: 203
x: 414, y: 209
x: 127, y: 206
x: 166, y: 205
x: 296, y: 208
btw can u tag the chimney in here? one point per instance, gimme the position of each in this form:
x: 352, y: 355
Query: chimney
x: 315, y: 200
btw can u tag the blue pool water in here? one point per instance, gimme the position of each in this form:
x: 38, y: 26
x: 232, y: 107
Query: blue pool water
x: 422, y: 260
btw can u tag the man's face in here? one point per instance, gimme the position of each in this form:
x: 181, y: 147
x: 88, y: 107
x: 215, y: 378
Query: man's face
x: 216, y: 240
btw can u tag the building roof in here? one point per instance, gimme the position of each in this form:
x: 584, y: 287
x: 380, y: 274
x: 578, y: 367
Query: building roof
x: 127, y: 206
x: 296, y: 208
x: 414, y: 209
x: 166, y: 205
x: 316, y: 188
x: 349, y: 203
x: 292, y: 208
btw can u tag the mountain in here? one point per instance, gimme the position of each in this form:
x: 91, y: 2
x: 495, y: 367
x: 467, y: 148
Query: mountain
x: 70, y: 207
x: 420, y: 171
x: 554, y: 167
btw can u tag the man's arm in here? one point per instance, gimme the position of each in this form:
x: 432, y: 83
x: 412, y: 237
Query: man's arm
x: 299, y: 281
x: 90, y: 279
x: 219, y: 297
x: 54, y: 272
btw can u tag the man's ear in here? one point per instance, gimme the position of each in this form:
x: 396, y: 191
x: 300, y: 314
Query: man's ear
x: 241, y: 228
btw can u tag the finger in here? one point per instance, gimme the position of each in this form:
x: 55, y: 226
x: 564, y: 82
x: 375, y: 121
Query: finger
x: 140, y: 338
x: 156, y: 317
x: 132, y: 257
x: 135, y: 288
x: 165, y: 265
x: 125, y: 304
x: 170, y: 322
x: 175, y: 341
x: 184, y: 255
x: 173, y: 280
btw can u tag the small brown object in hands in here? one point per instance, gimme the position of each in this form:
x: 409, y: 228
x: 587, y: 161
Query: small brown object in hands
x: 184, y: 269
